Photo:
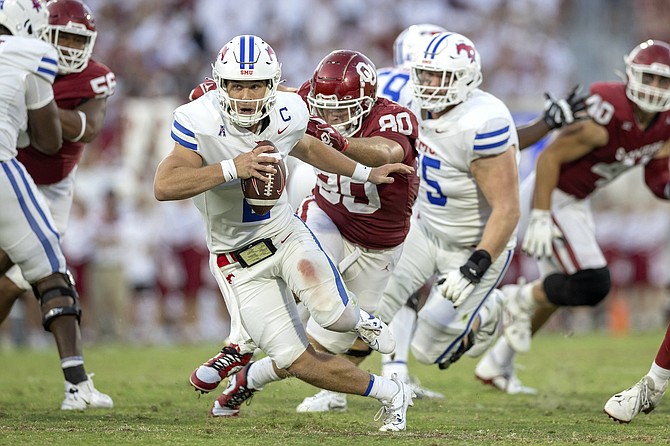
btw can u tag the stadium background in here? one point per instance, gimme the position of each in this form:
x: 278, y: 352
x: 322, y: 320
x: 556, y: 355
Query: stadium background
x: 159, y: 49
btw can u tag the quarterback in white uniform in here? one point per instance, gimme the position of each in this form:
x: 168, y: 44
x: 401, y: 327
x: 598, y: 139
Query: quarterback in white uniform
x: 261, y: 261
x: 464, y: 221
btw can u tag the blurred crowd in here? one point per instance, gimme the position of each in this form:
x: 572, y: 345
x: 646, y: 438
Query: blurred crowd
x: 142, y: 266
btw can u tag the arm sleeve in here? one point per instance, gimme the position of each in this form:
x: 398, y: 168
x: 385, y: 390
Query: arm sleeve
x: 39, y: 92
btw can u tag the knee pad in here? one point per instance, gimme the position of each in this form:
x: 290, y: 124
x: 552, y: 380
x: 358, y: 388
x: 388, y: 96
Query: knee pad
x: 585, y: 287
x: 358, y: 353
x: 63, y: 310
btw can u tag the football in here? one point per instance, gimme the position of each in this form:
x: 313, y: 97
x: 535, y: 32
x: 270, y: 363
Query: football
x: 260, y: 195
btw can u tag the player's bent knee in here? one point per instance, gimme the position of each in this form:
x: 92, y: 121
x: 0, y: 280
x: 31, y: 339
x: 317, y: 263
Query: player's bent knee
x: 52, y: 297
x: 585, y: 287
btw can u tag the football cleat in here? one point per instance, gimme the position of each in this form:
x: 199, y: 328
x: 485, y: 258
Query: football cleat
x: 84, y: 395
x: 516, y: 319
x: 236, y: 392
x: 374, y: 332
x: 503, y: 378
x: 642, y: 397
x: 227, y: 362
x: 394, y: 411
x: 324, y: 401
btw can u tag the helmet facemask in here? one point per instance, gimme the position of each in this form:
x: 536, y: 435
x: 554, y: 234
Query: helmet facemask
x: 647, y: 64
x: 345, y: 115
x: 77, y: 48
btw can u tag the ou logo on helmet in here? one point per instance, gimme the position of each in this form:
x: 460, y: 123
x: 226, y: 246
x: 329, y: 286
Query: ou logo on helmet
x: 367, y: 73
x: 469, y: 51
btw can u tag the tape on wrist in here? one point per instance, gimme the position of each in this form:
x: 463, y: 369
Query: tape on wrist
x: 229, y: 170
x: 82, y: 117
x: 361, y: 172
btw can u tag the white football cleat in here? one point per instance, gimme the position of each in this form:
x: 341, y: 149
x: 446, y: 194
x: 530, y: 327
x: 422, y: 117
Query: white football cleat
x: 324, y: 401
x: 516, y: 319
x: 421, y: 392
x: 84, y: 396
x: 394, y: 411
x: 642, y: 397
x: 503, y: 378
x: 374, y: 332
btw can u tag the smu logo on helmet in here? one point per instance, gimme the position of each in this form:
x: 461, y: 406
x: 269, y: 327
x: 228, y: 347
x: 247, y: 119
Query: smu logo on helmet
x: 367, y: 73
x: 469, y: 50
x: 223, y: 52
x: 37, y: 5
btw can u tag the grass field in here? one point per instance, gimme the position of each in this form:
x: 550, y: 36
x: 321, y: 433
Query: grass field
x: 156, y: 406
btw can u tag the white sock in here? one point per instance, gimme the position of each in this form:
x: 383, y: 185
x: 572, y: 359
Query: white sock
x: 659, y: 375
x: 502, y: 353
x: 526, y: 297
x: 261, y: 373
x: 381, y: 388
x: 402, y: 327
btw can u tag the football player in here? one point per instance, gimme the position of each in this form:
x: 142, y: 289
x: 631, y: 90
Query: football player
x: 361, y: 226
x: 81, y: 89
x: 261, y: 261
x: 463, y: 227
x: 628, y: 126
x: 395, y: 84
x: 29, y: 234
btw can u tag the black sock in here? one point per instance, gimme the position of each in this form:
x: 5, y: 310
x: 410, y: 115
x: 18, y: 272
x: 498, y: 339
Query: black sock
x: 75, y: 374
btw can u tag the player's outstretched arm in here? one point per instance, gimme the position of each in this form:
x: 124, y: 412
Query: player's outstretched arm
x: 323, y: 157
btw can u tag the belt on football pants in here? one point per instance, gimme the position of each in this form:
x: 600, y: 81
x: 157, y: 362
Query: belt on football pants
x: 250, y: 255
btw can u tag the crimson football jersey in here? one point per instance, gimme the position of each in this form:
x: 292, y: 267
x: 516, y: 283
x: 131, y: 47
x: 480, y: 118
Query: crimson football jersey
x: 627, y: 147
x: 70, y: 91
x: 374, y: 216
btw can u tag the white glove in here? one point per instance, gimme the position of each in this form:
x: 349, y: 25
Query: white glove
x: 455, y: 287
x: 541, y: 232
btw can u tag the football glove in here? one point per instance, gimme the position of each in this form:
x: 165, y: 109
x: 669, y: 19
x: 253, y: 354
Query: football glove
x: 320, y: 129
x: 561, y: 112
x: 457, y: 285
x: 540, y: 235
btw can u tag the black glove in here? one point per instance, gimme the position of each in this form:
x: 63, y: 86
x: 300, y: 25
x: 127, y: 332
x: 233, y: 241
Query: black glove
x: 560, y: 112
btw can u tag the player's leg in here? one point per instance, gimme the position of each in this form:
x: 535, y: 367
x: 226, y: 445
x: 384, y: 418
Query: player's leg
x: 445, y: 333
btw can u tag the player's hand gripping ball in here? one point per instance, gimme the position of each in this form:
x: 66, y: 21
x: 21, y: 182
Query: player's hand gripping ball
x: 260, y: 195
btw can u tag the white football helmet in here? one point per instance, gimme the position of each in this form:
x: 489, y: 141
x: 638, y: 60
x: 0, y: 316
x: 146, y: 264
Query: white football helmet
x: 409, y: 43
x: 24, y: 18
x: 457, y: 62
x: 246, y: 58
x: 649, y: 59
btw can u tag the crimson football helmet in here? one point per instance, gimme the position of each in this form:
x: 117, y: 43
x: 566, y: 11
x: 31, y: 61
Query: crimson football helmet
x: 74, y: 18
x: 343, y: 90
x: 648, y: 60
x: 455, y: 60
x: 246, y: 58
x: 23, y: 18
x: 408, y: 46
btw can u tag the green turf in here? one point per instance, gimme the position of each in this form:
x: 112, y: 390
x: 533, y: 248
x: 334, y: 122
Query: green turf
x: 156, y: 406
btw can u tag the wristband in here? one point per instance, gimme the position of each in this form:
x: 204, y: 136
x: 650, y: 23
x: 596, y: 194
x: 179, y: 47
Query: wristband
x: 476, y: 266
x: 229, y: 170
x: 361, y: 172
x: 82, y: 116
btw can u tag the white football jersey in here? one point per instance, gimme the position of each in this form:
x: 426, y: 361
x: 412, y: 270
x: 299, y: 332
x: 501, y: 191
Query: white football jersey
x: 200, y: 126
x: 450, y: 204
x: 394, y: 83
x: 20, y: 59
